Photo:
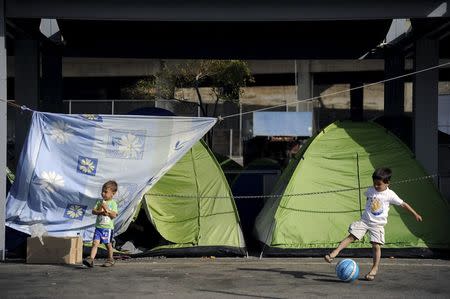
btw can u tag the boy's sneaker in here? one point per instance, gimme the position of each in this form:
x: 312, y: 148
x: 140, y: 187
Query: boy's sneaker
x: 109, y: 263
x: 88, y: 262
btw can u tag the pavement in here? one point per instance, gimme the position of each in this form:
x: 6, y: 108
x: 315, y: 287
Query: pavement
x: 224, y: 278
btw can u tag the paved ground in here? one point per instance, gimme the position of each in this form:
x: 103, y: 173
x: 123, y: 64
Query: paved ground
x: 223, y: 278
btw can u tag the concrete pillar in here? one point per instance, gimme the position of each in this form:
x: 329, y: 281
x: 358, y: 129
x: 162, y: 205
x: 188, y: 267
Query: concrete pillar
x: 3, y: 124
x: 356, y: 102
x: 52, y: 82
x: 26, y: 85
x: 425, y: 104
x: 304, y: 84
x: 394, y: 91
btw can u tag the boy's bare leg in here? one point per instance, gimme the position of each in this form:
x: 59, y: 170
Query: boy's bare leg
x: 344, y: 243
x: 110, y: 261
x: 95, y: 244
x: 110, y: 251
x: 376, y: 249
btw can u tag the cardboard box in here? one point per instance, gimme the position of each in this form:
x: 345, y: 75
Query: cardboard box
x: 55, y: 250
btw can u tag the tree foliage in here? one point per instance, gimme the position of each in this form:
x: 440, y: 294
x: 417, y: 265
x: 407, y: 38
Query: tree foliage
x: 224, y: 78
x: 143, y: 89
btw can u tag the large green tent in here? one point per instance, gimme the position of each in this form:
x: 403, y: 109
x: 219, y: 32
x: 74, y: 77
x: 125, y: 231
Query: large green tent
x: 183, y: 208
x: 343, y: 156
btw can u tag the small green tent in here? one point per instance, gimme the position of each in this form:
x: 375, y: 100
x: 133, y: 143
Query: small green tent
x: 182, y: 208
x: 344, y: 156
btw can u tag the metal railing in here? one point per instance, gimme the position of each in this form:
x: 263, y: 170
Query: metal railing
x: 233, y: 146
x: 110, y: 106
x: 114, y: 101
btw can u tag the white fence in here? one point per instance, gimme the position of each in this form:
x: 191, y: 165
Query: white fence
x: 228, y: 135
x: 230, y: 143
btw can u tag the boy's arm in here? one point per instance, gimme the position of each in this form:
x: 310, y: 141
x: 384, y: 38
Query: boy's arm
x: 110, y: 213
x: 411, y: 210
x: 98, y: 210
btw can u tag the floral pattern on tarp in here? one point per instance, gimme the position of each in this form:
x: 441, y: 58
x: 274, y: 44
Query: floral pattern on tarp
x: 179, y: 145
x: 75, y: 211
x: 126, y: 144
x: 60, y: 132
x: 50, y: 181
x: 93, y: 117
x: 87, y: 165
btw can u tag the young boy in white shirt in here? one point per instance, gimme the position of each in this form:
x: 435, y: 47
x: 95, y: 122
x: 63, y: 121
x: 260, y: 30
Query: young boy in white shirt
x: 374, y: 218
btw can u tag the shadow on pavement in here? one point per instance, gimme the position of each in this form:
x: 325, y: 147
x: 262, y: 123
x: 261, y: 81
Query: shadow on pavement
x: 296, y: 274
x: 238, y: 294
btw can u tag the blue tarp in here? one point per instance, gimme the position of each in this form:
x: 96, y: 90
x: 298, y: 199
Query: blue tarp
x: 67, y: 158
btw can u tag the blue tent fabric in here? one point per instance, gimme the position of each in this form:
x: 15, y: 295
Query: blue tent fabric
x: 151, y: 111
x: 67, y: 158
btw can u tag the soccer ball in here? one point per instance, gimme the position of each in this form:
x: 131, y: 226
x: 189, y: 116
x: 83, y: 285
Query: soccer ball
x: 347, y: 270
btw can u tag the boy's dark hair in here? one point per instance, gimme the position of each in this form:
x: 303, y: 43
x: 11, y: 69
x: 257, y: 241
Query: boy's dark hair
x: 383, y: 173
x: 111, y: 185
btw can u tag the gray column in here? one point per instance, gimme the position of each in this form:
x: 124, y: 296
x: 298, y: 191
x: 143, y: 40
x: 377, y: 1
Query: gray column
x: 425, y: 104
x: 26, y: 85
x: 51, y: 84
x: 304, y: 84
x: 3, y: 124
x: 394, y: 91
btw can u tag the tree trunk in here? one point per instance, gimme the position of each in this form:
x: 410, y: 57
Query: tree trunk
x: 208, y: 136
x: 211, y: 132
x: 200, y: 101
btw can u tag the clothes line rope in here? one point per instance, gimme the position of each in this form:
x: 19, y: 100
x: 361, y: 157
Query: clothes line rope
x: 13, y: 104
x: 339, y: 92
x: 410, y: 180
x: 221, y: 118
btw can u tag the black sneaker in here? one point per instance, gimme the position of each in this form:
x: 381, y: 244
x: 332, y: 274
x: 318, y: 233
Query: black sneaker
x: 88, y: 262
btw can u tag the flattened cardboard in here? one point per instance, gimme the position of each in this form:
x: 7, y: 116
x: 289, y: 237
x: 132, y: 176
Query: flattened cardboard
x: 55, y: 250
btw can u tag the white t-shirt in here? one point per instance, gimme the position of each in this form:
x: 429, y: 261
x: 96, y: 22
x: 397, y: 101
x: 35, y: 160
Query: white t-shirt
x: 377, y: 205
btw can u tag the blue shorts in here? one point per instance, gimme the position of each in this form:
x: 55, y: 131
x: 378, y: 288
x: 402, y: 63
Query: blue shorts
x: 104, y: 235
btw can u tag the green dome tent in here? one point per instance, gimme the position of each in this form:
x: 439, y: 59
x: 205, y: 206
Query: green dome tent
x: 194, y: 223
x: 344, y: 156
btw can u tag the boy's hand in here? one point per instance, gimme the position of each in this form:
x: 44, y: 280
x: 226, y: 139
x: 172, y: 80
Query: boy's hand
x: 411, y: 210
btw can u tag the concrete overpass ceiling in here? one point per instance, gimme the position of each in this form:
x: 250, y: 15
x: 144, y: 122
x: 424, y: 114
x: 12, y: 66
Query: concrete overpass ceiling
x: 424, y: 27
x: 434, y: 28
x: 230, y: 10
x: 244, y: 40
